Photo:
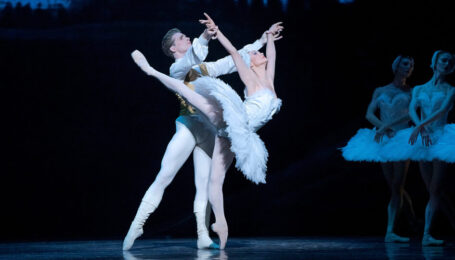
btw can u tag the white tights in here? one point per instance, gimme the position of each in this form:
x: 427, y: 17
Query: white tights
x: 177, y: 152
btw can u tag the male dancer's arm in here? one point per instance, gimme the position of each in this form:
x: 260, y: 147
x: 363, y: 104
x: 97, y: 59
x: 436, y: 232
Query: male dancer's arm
x: 196, y: 54
x: 226, y: 65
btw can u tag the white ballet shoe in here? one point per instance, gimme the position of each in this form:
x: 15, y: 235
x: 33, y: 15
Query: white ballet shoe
x: 222, y: 232
x: 141, y: 61
x: 428, y: 240
x: 394, y: 238
x: 203, y: 238
x: 135, y: 231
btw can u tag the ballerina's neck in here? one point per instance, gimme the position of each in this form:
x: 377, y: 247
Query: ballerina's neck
x: 438, y: 79
x: 399, y: 82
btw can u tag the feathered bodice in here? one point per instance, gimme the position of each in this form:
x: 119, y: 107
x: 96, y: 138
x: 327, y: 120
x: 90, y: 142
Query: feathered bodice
x: 393, y: 107
x: 260, y: 107
x: 429, y: 104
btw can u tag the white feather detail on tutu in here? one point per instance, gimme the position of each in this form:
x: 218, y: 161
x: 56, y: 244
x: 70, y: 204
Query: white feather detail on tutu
x: 363, y: 147
x: 250, y: 152
x: 399, y: 149
x: 444, y: 148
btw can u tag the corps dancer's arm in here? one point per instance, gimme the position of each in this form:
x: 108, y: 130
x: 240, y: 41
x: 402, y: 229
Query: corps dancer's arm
x: 413, y: 106
x: 246, y: 75
x: 370, y: 116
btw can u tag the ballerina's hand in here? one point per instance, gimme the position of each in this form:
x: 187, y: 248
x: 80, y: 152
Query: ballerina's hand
x: 426, y: 140
x: 212, y: 29
x: 378, y: 136
x: 141, y: 61
x: 276, y: 37
x: 276, y: 28
x: 414, y: 135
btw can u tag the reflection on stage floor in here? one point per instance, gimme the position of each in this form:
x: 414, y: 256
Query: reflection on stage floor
x: 237, y: 248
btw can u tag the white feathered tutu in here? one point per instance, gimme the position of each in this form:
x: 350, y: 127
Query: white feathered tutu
x: 362, y: 147
x: 443, y: 147
x: 239, y: 126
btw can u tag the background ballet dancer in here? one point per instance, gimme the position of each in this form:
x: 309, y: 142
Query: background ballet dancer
x: 436, y: 147
x: 392, y: 101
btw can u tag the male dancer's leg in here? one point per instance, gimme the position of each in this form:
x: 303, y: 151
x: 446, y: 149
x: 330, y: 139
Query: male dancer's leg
x: 202, y: 163
x: 177, y: 152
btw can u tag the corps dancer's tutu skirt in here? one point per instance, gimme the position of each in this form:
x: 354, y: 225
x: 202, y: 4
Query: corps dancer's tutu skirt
x: 363, y: 147
x: 442, y: 148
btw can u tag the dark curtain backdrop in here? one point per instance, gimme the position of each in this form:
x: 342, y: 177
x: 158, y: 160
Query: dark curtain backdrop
x: 84, y: 129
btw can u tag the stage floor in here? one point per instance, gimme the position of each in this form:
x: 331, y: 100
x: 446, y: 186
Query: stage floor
x: 237, y: 248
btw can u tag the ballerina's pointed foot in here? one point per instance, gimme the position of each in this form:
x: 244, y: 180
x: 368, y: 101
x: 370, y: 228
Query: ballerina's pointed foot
x: 394, y: 238
x: 428, y: 240
x: 214, y: 246
x: 222, y: 232
x: 141, y: 61
x: 132, y: 235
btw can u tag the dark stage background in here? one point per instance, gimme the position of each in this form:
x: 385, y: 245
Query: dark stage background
x: 84, y: 129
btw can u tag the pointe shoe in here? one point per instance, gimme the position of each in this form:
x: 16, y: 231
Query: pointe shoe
x: 141, y: 61
x: 428, y: 240
x: 394, y: 238
x: 206, y: 245
x: 222, y: 232
x: 133, y: 233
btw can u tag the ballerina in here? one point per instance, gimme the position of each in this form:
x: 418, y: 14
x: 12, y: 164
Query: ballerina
x: 392, y: 101
x: 434, y: 99
x: 191, y: 134
x: 237, y: 121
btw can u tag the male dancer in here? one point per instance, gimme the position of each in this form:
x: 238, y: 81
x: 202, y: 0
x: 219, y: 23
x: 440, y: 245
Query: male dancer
x: 191, y: 134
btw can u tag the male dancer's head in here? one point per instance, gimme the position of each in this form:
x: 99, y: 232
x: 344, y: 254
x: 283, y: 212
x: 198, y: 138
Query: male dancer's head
x: 175, y: 43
